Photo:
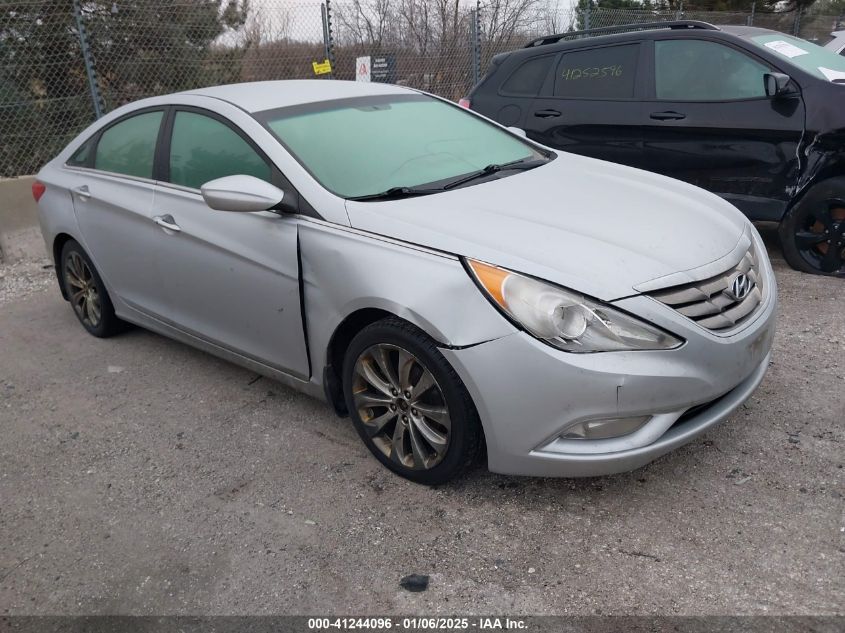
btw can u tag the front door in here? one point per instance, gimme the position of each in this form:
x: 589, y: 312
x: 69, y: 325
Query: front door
x: 232, y: 278
x: 711, y: 124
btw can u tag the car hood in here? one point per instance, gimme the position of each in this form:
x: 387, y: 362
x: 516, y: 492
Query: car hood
x: 589, y: 225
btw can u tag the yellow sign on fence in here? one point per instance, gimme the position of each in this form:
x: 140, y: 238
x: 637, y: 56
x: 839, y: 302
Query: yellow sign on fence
x: 321, y: 68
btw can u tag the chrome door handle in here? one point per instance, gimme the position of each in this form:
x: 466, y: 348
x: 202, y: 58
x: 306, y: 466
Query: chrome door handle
x: 82, y: 192
x: 167, y: 222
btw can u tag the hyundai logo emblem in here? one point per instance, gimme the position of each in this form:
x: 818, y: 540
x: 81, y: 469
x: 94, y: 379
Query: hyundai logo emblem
x: 740, y: 287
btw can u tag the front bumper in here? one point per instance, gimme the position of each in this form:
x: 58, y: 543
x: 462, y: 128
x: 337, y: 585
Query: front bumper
x: 527, y: 393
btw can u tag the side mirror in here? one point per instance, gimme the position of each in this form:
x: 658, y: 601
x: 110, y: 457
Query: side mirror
x: 241, y: 193
x: 777, y: 85
x: 518, y: 131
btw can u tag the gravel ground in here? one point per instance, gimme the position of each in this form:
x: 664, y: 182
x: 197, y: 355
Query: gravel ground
x: 140, y: 476
x: 22, y: 279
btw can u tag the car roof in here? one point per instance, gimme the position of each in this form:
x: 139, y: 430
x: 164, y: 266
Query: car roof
x: 746, y: 31
x: 267, y: 95
x: 599, y: 39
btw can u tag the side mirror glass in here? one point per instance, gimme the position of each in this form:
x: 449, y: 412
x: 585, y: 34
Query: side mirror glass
x: 241, y: 193
x: 777, y: 85
x: 518, y: 131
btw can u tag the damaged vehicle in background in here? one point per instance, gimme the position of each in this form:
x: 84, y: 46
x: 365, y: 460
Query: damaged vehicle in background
x: 755, y: 116
x: 448, y: 284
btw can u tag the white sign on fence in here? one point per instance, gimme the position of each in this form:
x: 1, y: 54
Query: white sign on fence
x: 363, y: 68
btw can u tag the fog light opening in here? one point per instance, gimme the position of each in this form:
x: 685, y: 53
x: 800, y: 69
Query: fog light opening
x: 604, y: 429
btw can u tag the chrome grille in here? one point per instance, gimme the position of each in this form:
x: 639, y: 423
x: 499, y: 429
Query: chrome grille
x: 710, y: 302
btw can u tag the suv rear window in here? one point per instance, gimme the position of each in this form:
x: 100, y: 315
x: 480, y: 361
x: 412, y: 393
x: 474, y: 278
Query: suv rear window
x: 528, y: 78
x: 598, y: 73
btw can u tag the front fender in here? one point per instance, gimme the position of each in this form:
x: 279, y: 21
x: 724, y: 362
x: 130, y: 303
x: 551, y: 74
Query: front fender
x: 345, y: 270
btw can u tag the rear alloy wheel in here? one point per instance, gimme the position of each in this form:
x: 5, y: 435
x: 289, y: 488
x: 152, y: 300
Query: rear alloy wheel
x: 813, y: 235
x: 87, y: 293
x: 408, y: 404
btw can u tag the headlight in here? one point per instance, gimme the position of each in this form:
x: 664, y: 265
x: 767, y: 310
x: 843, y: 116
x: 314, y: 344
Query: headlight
x: 566, y: 319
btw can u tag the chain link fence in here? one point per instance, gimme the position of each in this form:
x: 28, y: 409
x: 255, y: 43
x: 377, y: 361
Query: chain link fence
x: 63, y: 63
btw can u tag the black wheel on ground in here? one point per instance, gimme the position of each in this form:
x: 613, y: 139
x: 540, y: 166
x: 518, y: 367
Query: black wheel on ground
x: 408, y: 404
x: 812, y: 234
x: 87, y: 292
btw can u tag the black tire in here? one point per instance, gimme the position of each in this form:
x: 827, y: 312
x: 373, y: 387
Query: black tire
x: 806, y: 246
x: 106, y: 323
x: 464, y: 433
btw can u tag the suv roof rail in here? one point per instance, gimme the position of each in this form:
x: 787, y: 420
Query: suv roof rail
x: 674, y: 24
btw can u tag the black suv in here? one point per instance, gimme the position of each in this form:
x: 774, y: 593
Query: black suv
x: 755, y: 116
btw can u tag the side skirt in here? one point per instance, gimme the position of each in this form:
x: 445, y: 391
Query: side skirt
x: 147, y: 322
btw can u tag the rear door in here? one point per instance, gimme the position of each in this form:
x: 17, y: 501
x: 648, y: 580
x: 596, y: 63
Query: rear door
x: 113, y: 200
x: 709, y: 122
x: 591, y: 104
x: 508, y: 102
x: 231, y: 278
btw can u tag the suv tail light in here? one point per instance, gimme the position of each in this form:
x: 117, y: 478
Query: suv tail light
x: 464, y: 103
x: 38, y: 189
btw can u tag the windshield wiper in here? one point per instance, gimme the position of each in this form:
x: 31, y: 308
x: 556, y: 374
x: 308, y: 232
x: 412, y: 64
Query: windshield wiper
x: 520, y: 164
x: 396, y: 193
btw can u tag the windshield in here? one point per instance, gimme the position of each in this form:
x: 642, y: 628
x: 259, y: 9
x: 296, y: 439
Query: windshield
x: 821, y: 62
x: 363, y: 146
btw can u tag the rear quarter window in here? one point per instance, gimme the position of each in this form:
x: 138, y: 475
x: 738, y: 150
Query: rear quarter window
x: 598, y: 73
x: 528, y: 78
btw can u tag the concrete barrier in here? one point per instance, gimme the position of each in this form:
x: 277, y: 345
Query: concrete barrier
x: 20, y: 235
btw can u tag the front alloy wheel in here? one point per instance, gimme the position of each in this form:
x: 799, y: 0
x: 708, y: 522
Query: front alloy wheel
x: 401, y: 406
x: 408, y: 404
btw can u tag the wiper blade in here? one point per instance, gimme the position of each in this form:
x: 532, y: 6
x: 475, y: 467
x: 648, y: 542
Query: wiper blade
x: 395, y: 193
x: 493, y: 168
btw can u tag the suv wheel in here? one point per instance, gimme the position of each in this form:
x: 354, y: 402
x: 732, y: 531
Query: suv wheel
x: 813, y: 232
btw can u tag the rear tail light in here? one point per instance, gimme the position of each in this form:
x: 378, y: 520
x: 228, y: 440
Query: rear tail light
x: 464, y: 103
x: 38, y: 189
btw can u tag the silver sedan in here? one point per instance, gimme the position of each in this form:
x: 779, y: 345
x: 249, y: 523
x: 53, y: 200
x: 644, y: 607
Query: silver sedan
x: 445, y: 282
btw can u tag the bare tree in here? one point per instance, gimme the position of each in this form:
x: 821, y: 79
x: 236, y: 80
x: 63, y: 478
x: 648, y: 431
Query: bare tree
x: 366, y: 22
x: 503, y: 21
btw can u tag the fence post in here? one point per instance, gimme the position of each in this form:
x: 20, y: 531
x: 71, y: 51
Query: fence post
x: 587, y: 16
x: 679, y: 15
x: 796, y: 26
x: 93, y: 84
x: 475, y: 34
x: 328, y: 37
x: 750, y: 20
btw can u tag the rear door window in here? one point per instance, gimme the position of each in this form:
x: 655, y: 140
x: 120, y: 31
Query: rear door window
x: 598, y: 73
x: 128, y: 147
x: 528, y: 78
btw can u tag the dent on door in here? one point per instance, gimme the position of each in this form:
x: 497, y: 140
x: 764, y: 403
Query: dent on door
x: 233, y: 279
